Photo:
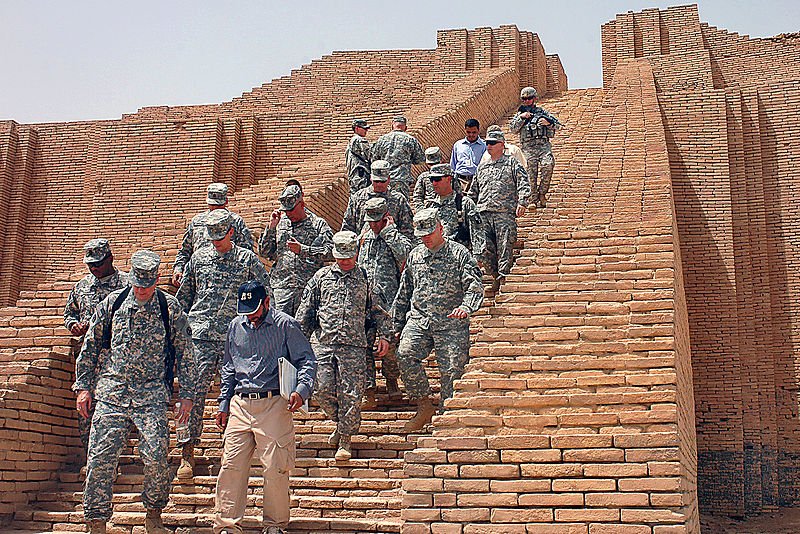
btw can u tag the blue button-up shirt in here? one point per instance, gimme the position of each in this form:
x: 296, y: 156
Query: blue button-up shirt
x: 466, y: 156
x: 250, y: 363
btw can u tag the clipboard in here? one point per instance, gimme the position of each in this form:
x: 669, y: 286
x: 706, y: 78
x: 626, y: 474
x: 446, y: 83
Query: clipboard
x: 287, y: 378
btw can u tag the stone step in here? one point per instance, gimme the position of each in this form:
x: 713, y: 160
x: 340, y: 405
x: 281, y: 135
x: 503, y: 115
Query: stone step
x: 132, y: 522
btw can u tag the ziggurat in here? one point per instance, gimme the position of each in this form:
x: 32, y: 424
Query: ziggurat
x: 638, y: 366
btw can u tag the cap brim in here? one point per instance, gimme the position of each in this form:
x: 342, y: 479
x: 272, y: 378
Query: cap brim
x: 433, y: 161
x: 340, y: 256
x: 93, y: 259
x: 142, y: 282
x: 215, y: 202
x: 246, y: 308
x: 377, y: 178
x: 373, y: 218
x: 423, y: 233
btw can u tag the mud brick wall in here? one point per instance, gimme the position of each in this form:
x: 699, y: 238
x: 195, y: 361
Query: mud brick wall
x: 556, y: 77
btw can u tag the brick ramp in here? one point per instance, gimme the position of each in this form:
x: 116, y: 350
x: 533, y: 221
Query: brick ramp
x: 575, y: 414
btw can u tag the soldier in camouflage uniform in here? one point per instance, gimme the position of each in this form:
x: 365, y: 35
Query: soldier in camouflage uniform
x: 457, y: 211
x: 401, y: 150
x: 383, y: 253
x: 422, y: 188
x: 208, y: 293
x: 440, y: 288
x: 338, y: 304
x: 399, y: 209
x: 536, y: 127
x: 501, y: 191
x: 357, y: 157
x: 131, y: 389
x: 83, y: 300
x: 195, y: 236
x: 299, y: 244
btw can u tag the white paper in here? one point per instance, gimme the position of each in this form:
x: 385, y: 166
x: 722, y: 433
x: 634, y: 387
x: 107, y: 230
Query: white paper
x: 287, y: 378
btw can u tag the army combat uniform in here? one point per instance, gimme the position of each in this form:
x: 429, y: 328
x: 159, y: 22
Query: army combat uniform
x: 383, y: 257
x: 209, y: 293
x: 131, y: 388
x: 433, y: 284
x: 337, y: 305
x: 458, y: 214
x: 358, y: 159
x: 291, y: 272
x: 401, y: 150
x: 399, y: 208
x: 83, y: 300
x: 195, y: 238
x: 535, y: 144
x: 499, y: 187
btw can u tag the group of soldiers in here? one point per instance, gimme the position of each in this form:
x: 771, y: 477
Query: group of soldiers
x: 395, y: 283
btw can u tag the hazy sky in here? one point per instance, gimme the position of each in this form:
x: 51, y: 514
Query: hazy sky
x: 79, y: 60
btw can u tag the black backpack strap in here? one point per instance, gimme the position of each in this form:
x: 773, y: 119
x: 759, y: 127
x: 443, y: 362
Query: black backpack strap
x: 459, y: 202
x: 114, y: 307
x: 169, y: 349
x: 162, y: 305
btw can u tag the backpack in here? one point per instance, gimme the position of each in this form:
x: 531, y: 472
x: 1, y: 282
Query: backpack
x: 462, y: 232
x: 169, y: 348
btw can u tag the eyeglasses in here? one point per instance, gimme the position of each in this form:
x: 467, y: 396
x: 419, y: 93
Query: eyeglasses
x: 492, y: 143
x: 436, y: 178
x: 529, y: 98
x: 95, y: 264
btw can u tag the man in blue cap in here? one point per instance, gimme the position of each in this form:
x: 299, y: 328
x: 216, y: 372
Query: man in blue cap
x: 255, y: 417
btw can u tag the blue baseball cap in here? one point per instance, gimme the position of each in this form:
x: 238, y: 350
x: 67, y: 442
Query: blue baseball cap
x: 251, y: 294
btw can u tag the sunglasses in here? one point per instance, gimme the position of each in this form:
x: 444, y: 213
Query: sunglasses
x: 436, y: 178
x: 529, y: 98
x: 492, y: 143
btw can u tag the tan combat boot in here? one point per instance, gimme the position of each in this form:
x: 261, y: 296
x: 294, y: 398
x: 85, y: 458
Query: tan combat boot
x: 333, y: 439
x: 392, y: 389
x: 542, y: 200
x: 370, y: 402
x: 425, y: 412
x: 97, y: 526
x: 344, y: 454
x: 186, y: 469
x: 153, y: 524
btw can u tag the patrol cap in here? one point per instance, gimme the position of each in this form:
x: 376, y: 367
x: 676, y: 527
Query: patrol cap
x: 528, y: 92
x: 400, y: 118
x: 96, y: 250
x: 144, y: 268
x: 496, y: 136
x: 375, y: 208
x: 251, y: 294
x: 290, y: 197
x: 380, y: 170
x: 425, y: 221
x: 361, y: 123
x: 433, y: 155
x: 493, y: 128
x: 218, y: 223
x: 217, y: 194
x: 345, y: 244
x: 443, y: 169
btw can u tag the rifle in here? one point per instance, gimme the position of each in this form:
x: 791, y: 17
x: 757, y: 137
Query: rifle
x: 532, y: 123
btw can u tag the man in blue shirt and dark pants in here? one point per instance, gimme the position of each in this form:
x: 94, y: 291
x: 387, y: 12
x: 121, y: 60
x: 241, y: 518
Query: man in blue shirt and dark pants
x: 255, y: 417
x: 467, y: 153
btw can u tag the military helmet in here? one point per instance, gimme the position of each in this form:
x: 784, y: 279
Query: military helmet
x: 528, y: 92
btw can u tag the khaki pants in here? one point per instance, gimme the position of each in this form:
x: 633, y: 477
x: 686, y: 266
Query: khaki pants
x: 263, y: 426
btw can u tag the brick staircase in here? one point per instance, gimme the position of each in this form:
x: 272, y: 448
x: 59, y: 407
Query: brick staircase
x: 361, y: 495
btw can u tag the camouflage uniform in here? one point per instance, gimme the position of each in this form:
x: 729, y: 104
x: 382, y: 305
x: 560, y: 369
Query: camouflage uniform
x: 84, y: 298
x: 535, y: 144
x: 433, y: 284
x: 131, y: 390
x: 401, y: 150
x: 497, y: 189
x: 195, y: 237
x: 474, y: 238
x: 337, y: 305
x: 209, y: 294
x: 357, y: 159
x: 399, y: 209
x: 290, y: 272
x: 383, y: 257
